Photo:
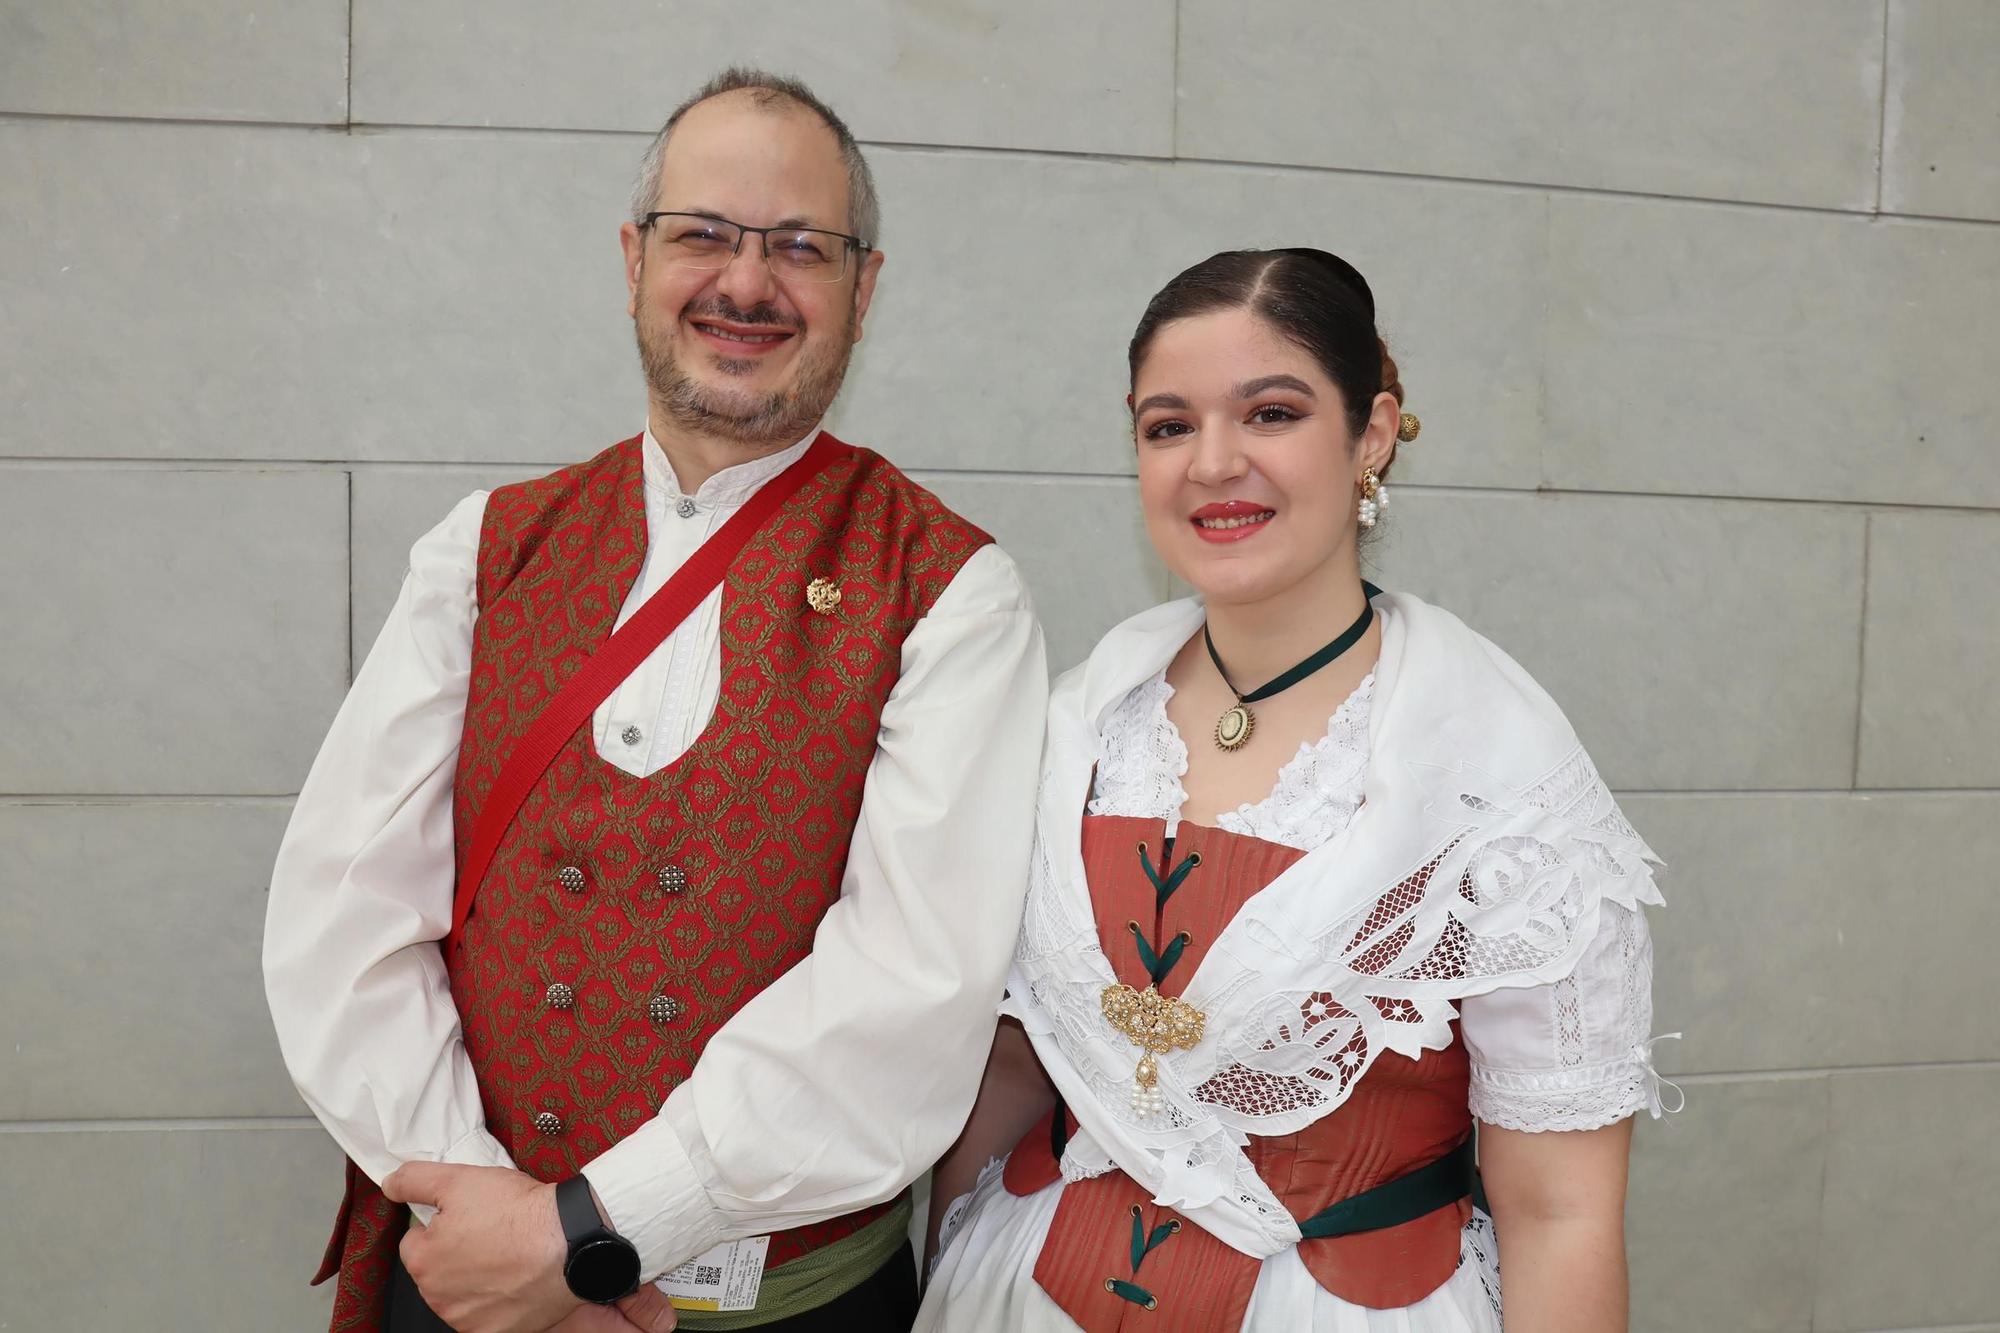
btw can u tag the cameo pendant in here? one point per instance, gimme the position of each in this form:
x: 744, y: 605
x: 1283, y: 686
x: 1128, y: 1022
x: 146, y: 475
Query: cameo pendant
x: 1234, y: 727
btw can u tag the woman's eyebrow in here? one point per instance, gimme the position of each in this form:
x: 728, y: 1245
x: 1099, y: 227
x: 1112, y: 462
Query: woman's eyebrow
x: 1263, y: 384
x: 1171, y: 401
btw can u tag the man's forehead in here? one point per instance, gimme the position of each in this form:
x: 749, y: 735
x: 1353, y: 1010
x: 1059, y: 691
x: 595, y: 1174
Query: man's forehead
x: 738, y: 117
x: 733, y: 149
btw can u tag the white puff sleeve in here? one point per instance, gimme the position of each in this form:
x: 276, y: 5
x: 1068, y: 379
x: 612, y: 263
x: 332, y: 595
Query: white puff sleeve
x: 1575, y: 1053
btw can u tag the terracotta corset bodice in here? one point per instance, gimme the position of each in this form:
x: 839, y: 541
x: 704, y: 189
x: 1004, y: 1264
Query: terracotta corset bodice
x: 1152, y: 898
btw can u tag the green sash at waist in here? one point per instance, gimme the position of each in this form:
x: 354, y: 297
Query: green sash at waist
x: 813, y: 1279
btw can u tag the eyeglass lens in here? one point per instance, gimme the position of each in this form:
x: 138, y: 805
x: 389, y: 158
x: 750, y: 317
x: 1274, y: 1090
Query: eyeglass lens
x: 697, y: 242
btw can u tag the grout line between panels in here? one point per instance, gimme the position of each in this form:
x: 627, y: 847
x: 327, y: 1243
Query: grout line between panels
x: 1861, y: 645
x: 1544, y: 464
x: 350, y: 65
x: 1882, y: 113
x: 1446, y: 489
x: 1829, y: 1071
x: 349, y: 602
x: 140, y: 798
x: 190, y: 122
x: 356, y: 127
x: 1819, y: 1203
x: 156, y: 1125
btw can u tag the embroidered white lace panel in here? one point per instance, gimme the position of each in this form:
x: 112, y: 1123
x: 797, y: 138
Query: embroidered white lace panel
x: 1568, y: 1055
x: 1143, y: 760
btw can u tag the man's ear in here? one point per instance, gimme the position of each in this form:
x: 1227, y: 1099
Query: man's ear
x: 864, y: 288
x: 634, y: 243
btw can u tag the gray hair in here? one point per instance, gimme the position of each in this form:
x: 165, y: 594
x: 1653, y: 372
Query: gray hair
x: 864, y: 211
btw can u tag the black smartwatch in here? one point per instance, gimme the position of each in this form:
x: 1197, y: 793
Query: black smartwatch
x: 602, y: 1266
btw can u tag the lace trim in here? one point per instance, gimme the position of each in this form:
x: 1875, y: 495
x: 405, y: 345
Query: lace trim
x: 1480, y: 1247
x: 1319, y: 790
x: 954, y: 1213
x: 1143, y: 757
x: 1543, y: 1101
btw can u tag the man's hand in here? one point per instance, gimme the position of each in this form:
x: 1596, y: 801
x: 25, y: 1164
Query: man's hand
x: 491, y: 1261
x: 644, y: 1311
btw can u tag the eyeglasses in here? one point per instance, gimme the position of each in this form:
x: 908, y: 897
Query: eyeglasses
x: 805, y: 253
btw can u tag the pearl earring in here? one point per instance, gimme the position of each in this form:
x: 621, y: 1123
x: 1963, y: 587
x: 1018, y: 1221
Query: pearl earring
x: 1374, y: 498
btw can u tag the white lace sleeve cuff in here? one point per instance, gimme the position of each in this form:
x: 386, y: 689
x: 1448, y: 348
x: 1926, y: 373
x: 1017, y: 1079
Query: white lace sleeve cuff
x: 1573, y: 1054
x: 1584, y: 1097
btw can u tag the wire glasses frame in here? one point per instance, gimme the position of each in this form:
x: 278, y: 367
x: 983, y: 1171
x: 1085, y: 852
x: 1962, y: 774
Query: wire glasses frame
x: 696, y: 240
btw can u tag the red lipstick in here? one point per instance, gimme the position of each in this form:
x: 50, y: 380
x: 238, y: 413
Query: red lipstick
x: 1230, y: 520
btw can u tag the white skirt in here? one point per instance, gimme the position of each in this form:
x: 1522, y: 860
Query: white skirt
x: 985, y: 1280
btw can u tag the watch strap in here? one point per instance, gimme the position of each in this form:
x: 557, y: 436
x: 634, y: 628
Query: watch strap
x: 578, y: 1210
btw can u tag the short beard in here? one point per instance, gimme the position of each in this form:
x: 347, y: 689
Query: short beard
x: 760, y: 420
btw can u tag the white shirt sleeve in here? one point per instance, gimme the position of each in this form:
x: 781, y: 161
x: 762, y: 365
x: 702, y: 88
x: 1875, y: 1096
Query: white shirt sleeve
x: 362, y: 888
x: 843, y: 1081
x: 1572, y: 1054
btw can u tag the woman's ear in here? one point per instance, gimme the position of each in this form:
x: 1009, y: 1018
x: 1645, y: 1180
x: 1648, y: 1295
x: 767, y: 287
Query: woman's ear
x: 1378, y: 438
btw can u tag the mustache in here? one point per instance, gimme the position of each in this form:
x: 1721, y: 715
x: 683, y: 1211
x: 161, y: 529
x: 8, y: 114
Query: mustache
x: 721, y: 307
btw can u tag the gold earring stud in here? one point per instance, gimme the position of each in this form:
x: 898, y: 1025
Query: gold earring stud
x: 1409, y: 427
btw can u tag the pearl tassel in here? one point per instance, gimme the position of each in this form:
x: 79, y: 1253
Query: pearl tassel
x: 1374, y: 499
x: 1146, y: 1099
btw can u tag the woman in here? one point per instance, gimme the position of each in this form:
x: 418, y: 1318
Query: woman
x: 1321, y: 877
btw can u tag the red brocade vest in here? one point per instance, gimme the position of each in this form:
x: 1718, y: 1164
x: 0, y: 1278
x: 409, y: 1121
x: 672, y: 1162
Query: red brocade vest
x: 1401, y: 1115
x: 623, y: 920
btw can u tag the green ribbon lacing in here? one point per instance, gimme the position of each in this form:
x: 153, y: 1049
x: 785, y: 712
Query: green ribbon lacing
x: 1142, y: 1245
x: 1157, y: 965
x: 1163, y: 889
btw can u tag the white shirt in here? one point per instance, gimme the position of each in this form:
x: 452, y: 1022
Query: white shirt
x: 830, y: 1090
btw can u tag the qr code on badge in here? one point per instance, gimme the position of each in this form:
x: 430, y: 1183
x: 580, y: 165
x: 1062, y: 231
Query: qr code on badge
x: 707, y: 1276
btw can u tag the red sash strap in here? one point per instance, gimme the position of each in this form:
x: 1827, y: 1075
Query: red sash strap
x: 621, y: 654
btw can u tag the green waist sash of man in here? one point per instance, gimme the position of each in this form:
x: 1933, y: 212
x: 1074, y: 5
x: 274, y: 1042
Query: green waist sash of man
x: 813, y: 1279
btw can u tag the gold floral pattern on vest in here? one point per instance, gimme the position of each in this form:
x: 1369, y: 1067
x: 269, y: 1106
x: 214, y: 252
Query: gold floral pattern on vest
x: 623, y: 920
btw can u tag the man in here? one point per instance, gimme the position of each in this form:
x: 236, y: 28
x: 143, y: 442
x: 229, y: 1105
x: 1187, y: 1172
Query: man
x: 717, y: 960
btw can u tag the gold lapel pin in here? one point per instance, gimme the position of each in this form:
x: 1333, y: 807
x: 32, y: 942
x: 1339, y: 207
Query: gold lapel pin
x: 822, y: 596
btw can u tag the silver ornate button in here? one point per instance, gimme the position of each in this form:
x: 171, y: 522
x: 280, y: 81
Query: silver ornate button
x: 559, y: 996
x: 663, y: 1009
x: 685, y: 508
x: 672, y: 879
x: 549, y: 1123
x: 631, y: 735
x: 571, y: 878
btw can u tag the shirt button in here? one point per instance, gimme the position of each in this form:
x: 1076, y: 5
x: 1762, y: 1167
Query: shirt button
x: 548, y: 1123
x: 571, y: 878
x: 685, y: 508
x: 672, y: 879
x: 631, y: 735
x: 559, y: 996
x: 663, y: 1009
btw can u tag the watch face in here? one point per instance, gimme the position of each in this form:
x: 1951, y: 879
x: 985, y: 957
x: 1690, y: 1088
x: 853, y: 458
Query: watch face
x: 603, y: 1270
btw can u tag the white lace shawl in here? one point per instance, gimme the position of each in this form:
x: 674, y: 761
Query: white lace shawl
x: 1482, y: 856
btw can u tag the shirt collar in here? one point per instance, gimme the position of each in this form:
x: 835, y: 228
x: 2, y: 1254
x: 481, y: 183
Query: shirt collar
x: 728, y: 488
